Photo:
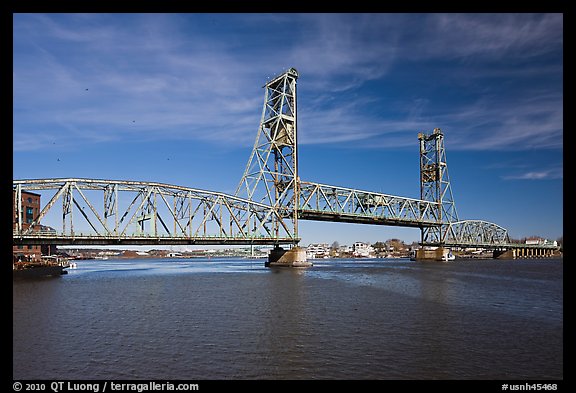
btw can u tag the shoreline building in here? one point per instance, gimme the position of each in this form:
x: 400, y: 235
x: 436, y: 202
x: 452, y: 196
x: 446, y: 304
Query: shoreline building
x: 540, y: 241
x: 29, y: 213
x: 318, y: 251
x: 362, y: 250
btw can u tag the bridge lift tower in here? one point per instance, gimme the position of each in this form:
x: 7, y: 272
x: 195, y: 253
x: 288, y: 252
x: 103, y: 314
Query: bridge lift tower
x: 271, y: 175
x: 435, y: 186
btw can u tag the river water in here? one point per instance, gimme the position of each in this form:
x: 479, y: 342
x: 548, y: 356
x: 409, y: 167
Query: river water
x: 198, y: 319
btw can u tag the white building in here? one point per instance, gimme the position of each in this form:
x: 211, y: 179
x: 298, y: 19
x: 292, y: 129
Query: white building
x: 362, y: 250
x: 315, y: 251
x: 540, y: 241
x: 345, y: 249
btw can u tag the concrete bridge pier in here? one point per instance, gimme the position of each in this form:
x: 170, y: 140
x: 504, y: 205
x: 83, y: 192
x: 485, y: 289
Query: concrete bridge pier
x: 295, y: 257
x: 510, y: 253
x: 523, y: 253
x: 439, y: 254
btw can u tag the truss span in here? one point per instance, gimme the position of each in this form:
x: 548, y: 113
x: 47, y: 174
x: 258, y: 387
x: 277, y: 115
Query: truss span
x: 476, y: 233
x: 89, y: 211
x: 322, y: 202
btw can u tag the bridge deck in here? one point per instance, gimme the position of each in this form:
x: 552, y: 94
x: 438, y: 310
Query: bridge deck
x: 313, y: 215
x: 144, y: 240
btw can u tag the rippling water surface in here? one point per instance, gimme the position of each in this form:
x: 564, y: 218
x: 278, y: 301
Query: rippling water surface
x: 341, y: 319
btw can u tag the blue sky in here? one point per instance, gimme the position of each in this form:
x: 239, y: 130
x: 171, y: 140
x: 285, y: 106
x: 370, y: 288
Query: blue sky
x: 177, y: 98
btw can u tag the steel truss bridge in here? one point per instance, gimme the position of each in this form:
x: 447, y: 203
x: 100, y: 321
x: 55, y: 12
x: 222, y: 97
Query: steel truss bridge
x: 265, y: 209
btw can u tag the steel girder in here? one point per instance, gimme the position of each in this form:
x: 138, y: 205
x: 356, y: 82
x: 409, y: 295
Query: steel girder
x: 88, y: 211
x: 330, y: 203
x: 475, y: 233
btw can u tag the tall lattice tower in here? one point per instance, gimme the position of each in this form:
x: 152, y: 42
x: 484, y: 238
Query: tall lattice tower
x: 435, y: 186
x: 271, y: 175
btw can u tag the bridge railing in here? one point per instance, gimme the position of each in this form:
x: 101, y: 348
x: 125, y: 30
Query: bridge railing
x: 330, y: 203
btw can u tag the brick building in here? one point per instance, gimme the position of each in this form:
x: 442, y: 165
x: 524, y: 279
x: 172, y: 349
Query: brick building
x: 30, y: 211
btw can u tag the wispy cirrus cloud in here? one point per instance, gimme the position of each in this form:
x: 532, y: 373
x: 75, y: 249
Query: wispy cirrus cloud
x: 485, y: 36
x: 535, y: 166
x: 487, y: 124
x: 197, y: 77
x: 161, y: 79
x: 116, y: 92
x: 544, y: 174
x: 522, y: 123
x: 343, y: 51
